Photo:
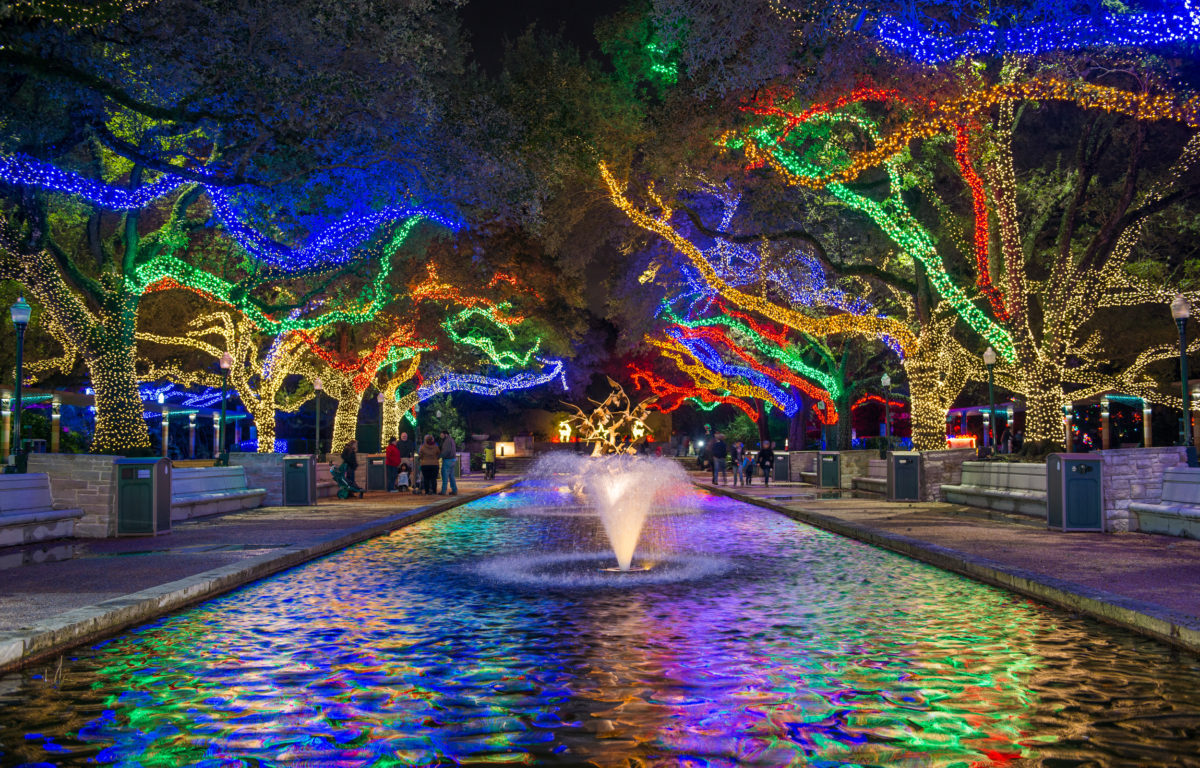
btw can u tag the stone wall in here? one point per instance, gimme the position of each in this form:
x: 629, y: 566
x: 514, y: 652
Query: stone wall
x: 263, y: 470
x: 1134, y: 474
x: 855, y: 464
x: 940, y: 468
x: 82, y: 481
x: 801, y: 462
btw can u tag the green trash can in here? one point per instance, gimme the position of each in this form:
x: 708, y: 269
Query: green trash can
x: 904, y: 476
x: 1075, y: 492
x: 143, y: 496
x: 377, y: 473
x: 829, y: 469
x: 299, y: 481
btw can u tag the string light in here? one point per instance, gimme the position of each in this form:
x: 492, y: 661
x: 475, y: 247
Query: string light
x: 983, y: 279
x: 1177, y: 24
x: 871, y: 327
x: 26, y: 171
x: 671, y: 396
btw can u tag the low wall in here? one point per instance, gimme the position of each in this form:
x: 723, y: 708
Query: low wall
x: 1135, y: 474
x: 940, y: 468
x: 82, y: 481
x: 263, y: 470
x: 802, y: 463
x: 855, y: 464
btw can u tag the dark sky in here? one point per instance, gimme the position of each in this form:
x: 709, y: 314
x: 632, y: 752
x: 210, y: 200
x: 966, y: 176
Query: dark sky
x: 491, y: 21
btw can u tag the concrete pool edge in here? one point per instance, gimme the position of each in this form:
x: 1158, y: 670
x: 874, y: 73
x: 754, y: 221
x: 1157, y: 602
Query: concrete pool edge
x: 79, y: 626
x: 1154, y: 621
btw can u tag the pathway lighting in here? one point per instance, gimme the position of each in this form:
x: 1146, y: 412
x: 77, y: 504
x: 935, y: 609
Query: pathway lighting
x: 989, y: 359
x: 317, y: 386
x: 1181, y: 310
x: 20, y: 317
x: 226, y: 362
x: 886, y: 381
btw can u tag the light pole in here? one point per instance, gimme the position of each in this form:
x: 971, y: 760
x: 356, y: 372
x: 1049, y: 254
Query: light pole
x: 20, y: 317
x: 317, y: 418
x: 379, y: 398
x: 416, y: 428
x: 226, y: 363
x: 989, y: 359
x: 1181, y: 310
x: 886, y: 381
x: 824, y: 432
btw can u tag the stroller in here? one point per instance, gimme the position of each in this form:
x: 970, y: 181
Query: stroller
x: 346, y: 489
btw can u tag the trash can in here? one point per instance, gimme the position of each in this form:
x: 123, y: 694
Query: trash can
x: 1074, y: 492
x: 377, y: 473
x: 904, y: 476
x: 143, y: 496
x: 829, y: 469
x: 782, y: 464
x: 299, y: 481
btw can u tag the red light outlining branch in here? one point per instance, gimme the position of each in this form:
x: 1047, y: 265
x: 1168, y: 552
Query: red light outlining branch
x: 671, y: 396
x: 983, y: 278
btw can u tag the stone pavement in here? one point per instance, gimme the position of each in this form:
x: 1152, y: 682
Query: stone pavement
x: 61, y: 593
x: 1145, y: 582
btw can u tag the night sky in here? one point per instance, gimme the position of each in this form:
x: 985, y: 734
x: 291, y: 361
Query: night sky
x: 490, y: 22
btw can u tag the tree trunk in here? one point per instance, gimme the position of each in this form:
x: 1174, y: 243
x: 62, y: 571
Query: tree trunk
x: 845, y: 425
x: 264, y: 422
x: 345, y: 421
x: 764, y: 429
x: 798, y: 426
x: 109, y: 352
x: 927, y: 404
x: 1043, y: 405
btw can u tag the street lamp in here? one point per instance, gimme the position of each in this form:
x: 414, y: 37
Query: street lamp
x: 20, y: 317
x: 886, y: 381
x: 317, y: 418
x: 379, y: 399
x: 1181, y: 310
x: 824, y: 432
x: 416, y: 427
x: 989, y: 359
x: 226, y: 363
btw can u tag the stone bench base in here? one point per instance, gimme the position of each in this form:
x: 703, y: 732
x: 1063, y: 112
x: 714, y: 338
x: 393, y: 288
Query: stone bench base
x: 871, y: 484
x: 190, y: 505
x: 808, y: 477
x: 1167, y: 519
x: 1032, y: 503
x: 39, y: 525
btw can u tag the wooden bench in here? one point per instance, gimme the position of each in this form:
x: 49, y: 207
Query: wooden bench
x: 1178, y: 512
x: 201, y: 491
x: 875, y: 481
x: 1001, y: 486
x: 27, y: 512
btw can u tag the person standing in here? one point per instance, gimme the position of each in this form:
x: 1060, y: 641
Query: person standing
x: 719, y: 453
x: 391, y: 463
x: 766, y: 462
x: 489, y: 460
x: 427, y: 455
x: 736, y: 454
x: 404, y: 446
x: 350, y: 460
x: 449, y: 457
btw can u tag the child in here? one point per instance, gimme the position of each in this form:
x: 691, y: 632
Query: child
x: 748, y: 467
x: 402, y: 477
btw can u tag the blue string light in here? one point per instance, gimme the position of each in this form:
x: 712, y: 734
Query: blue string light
x: 1180, y: 24
x: 26, y: 171
x: 493, y: 385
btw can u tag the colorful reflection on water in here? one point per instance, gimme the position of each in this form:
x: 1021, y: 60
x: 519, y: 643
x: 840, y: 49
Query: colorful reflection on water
x: 806, y: 649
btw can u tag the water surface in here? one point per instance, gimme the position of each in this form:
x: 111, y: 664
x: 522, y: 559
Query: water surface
x: 798, y: 647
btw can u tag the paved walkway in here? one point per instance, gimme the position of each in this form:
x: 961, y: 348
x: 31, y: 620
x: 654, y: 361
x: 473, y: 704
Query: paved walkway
x: 62, y: 593
x: 1147, y: 582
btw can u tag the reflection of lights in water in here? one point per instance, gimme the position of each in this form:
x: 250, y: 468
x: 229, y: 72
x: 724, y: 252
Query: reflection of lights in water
x: 799, y: 648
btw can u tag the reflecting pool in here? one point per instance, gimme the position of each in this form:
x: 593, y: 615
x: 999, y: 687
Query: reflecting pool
x: 787, y: 646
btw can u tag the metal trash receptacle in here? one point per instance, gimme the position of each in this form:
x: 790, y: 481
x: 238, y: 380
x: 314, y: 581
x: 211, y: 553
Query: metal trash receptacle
x: 299, y: 481
x: 1075, y: 492
x: 904, y: 476
x: 143, y: 496
x: 376, y: 473
x: 783, y: 462
x: 829, y: 469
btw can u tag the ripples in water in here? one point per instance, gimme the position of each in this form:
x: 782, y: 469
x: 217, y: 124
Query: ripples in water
x: 803, y: 649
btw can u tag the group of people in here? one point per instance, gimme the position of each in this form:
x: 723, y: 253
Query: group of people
x: 432, y: 459
x: 743, y: 460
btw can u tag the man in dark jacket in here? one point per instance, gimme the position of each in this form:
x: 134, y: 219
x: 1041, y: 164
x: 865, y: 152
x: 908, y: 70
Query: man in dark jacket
x: 766, y: 461
x: 449, y: 458
x: 719, y: 453
x: 350, y: 459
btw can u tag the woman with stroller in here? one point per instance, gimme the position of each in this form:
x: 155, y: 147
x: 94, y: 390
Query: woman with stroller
x: 428, y: 456
x: 350, y: 460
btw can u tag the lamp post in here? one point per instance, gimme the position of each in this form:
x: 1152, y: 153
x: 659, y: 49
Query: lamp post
x: 226, y: 363
x: 824, y: 432
x: 317, y: 418
x: 989, y: 359
x: 886, y: 381
x: 1181, y: 310
x: 416, y: 428
x: 20, y: 317
x: 379, y: 398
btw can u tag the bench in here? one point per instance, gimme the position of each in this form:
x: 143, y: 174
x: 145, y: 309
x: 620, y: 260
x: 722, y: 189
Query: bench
x: 326, y: 485
x: 1178, y: 512
x: 802, y: 468
x: 875, y: 481
x: 27, y: 512
x: 201, y: 491
x: 1001, y: 486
